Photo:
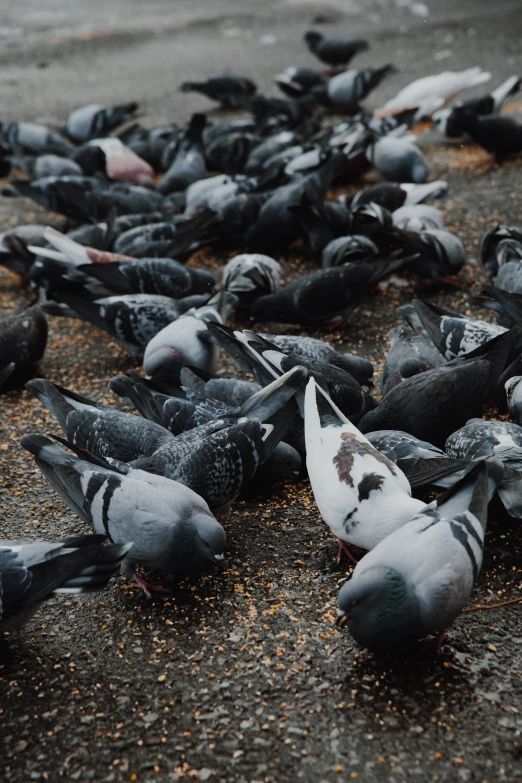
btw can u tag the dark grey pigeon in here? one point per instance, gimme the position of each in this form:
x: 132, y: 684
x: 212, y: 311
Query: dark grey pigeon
x: 435, y: 403
x: 500, y: 245
x: 217, y: 459
x: 33, y: 138
x: 31, y: 572
x: 417, y: 580
x: 229, y: 91
x: 334, y: 51
x: 410, y: 354
x: 23, y: 338
x: 170, y: 527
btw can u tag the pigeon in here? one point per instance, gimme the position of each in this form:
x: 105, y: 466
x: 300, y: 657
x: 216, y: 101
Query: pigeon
x: 327, y: 296
x: 188, y: 164
x: 23, y: 339
x: 500, y: 245
x: 48, y: 165
x: 309, y: 349
x: 149, y: 143
x: 420, y: 461
x: 165, y: 239
x: 134, y: 319
x: 454, y: 335
x: 431, y: 92
x: 230, y: 153
x: 484, y: 106
x: 361, y: 495
x: 296, y: 82
x: 435, y: 403
x: 94, y: 120
x: 33, y: 138
x: 418, y: 217
x: 260, y: 156
x: 267, y: 361
x: 349, y: 249
x: 398, y: 160
x: 392, y: 195
x: 410, y: 354
x: 479, y: 440
x: 117, y: 161
x: 162, y: 276
x: 31, y: 572
x: 514, y: 399
x: 229, y: 91
x: 173, y: 531
x: 416, y: 581
x: 501, y: 136
x: 103, y: 431
x: 14, y: 253
x: 349, y: 88
x: 251, y: 275
x: 217, y: 459
x: 188, y: 343
x: 334, y: 51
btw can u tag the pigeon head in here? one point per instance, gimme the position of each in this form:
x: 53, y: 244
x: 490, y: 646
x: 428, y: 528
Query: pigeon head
x: 312, y: 38
x: 380, y: 608
x: 283, y: 463
x: 358, y: 367
x: 210, y: 537
x: 400, y: 333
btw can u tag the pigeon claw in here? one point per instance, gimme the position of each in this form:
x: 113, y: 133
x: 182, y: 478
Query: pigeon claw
x: 343, y: 549
x: 149, y: 588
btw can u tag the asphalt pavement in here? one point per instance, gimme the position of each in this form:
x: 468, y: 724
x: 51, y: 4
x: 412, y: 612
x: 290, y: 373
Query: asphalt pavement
x: 241, y: 676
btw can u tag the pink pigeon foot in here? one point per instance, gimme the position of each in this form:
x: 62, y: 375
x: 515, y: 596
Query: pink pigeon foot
x: 149, y: 588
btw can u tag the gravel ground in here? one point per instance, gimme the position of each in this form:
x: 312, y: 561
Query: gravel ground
x: 241, y: 675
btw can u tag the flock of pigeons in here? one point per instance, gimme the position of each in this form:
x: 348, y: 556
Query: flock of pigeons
x: 143, y: 201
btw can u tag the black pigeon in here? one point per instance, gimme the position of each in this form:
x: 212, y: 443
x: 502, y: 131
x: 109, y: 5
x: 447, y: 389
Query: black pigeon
x: 392, y: 195
x: 333, y: 51
x: 327, y: 296
x: 229, y: 153
x: 94, y: 121
x: 500, y: 136
x: 434, y: 404
x: 484, y: 106
x: 23, y: 338
x: 188, y: 162
x: 410, y: 354
x: 31, y: 572
x: 229, y: 91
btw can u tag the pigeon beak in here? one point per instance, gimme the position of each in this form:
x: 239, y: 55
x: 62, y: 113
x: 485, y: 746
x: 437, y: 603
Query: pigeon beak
x: 219, y: 558
x: 341, y: 618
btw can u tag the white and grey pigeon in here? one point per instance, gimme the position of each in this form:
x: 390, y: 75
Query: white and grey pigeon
x: 170, y: 527
x: 361, y: 494
x: 94, y: 120
x: 417, y: 580
x: 250, y: 275
x: 188, y: 343
x: 479, y: 439
x: 454, y: 335
x: 422, y: 462
x: 31, y: 572
x: 398, y: 159
x: 429, y: 93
